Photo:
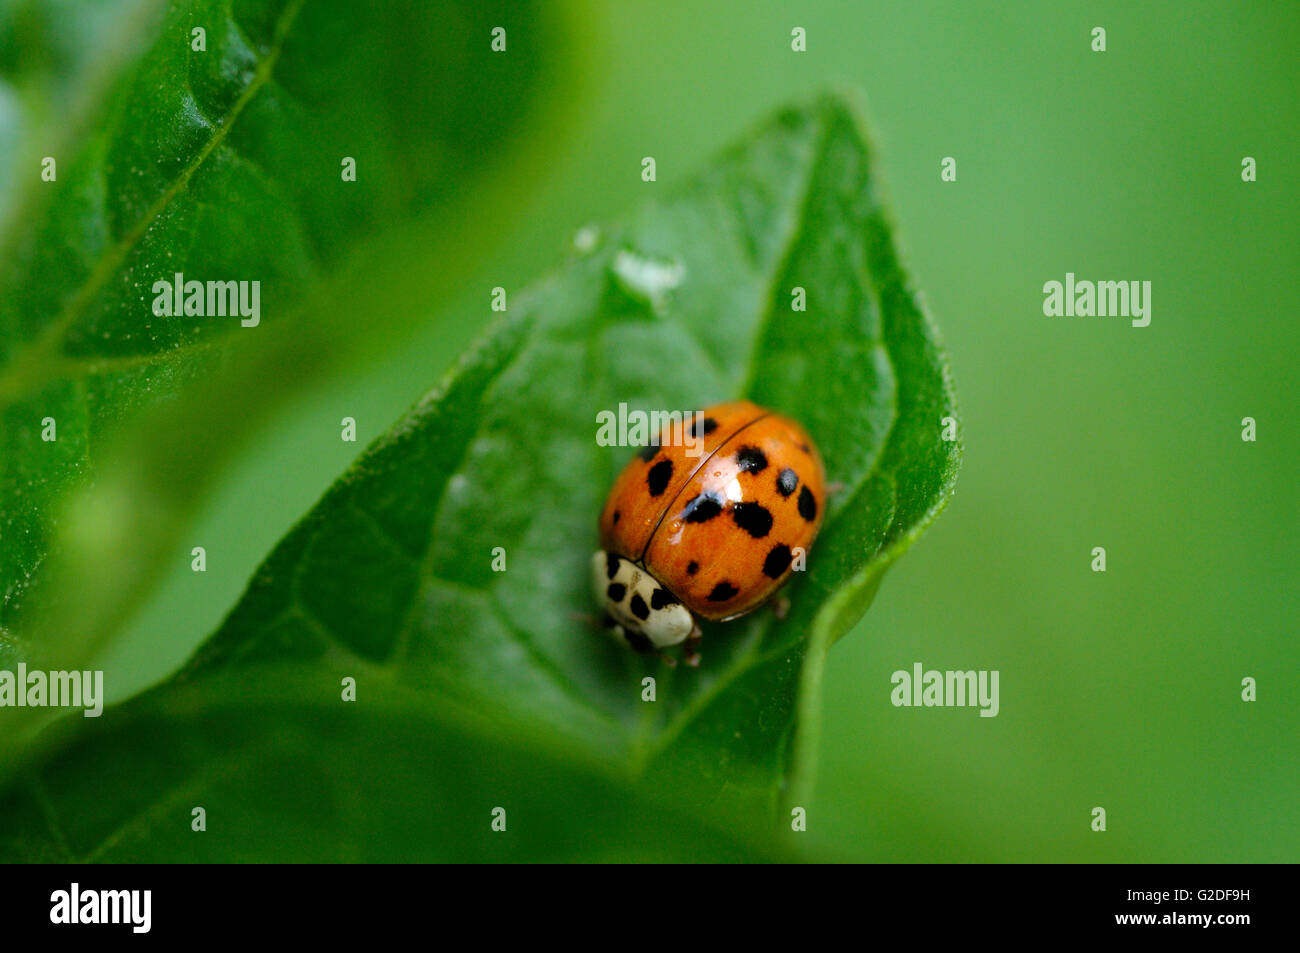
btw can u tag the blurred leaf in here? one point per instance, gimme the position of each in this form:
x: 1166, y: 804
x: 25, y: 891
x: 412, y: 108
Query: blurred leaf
x: 390, y: 575
x: 221, y: 164
x: 285, y: 772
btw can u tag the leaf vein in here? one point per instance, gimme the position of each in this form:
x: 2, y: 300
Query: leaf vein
x: 29, y: 364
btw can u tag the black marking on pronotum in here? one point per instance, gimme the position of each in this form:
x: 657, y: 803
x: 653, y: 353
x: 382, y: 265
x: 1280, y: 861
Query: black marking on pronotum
x: 777, y: 561
x: 751, y: 460
x: 708, y: 425
x: 639, y: 608
x: 754, y: 518
x: 786, y: 481
x: 647, y: 453
x: 661, y: 598
x: 807, y: 505
x: 704, y: 507
x: 638, y: 640
x: 611, y: 565
x: 722, y: 592
x: 616, y: 591
x: 692, y: 568
x: 658, y: 477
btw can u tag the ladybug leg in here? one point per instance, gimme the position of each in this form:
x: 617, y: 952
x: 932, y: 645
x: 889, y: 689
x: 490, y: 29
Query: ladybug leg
x: 691, y: 647
x: 780, y: 606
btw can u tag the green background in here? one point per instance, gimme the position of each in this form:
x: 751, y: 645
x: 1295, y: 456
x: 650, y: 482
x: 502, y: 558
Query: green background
x: 1120, y: 690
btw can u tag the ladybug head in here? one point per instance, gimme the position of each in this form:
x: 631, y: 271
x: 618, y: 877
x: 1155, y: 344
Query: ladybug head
x: 638, y: 610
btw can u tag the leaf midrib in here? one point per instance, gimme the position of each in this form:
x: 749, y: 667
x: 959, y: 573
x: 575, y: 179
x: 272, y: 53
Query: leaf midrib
x: 754, y: 656
x: 650, y: 746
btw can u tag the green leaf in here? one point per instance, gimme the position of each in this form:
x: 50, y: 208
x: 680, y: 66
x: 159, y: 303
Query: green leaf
x: 389, y: 578
x: 222, y: 164
x: 285, y: 772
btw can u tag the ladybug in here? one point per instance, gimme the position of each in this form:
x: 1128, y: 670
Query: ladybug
x: 707, y: 536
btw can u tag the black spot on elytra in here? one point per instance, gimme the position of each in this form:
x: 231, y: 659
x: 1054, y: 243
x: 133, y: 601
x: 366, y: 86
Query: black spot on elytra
x: 662, y: 597
x: 638, y: 640
x: 638, y: 607
x: 786, y: 481
x: 707, y: 426
x: 616, y: 591
x: 692, y: 568
x: 617, y: 514
x: 777, y: 561
x: 703, y: 508
x: 647, y: 453
x: 611, y: 565
x: 806, y: 449
x: 751, y: 460
x: 753, y: 518
x: 807, y: 504
x: 722, y: 592
x: 658, y: 477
